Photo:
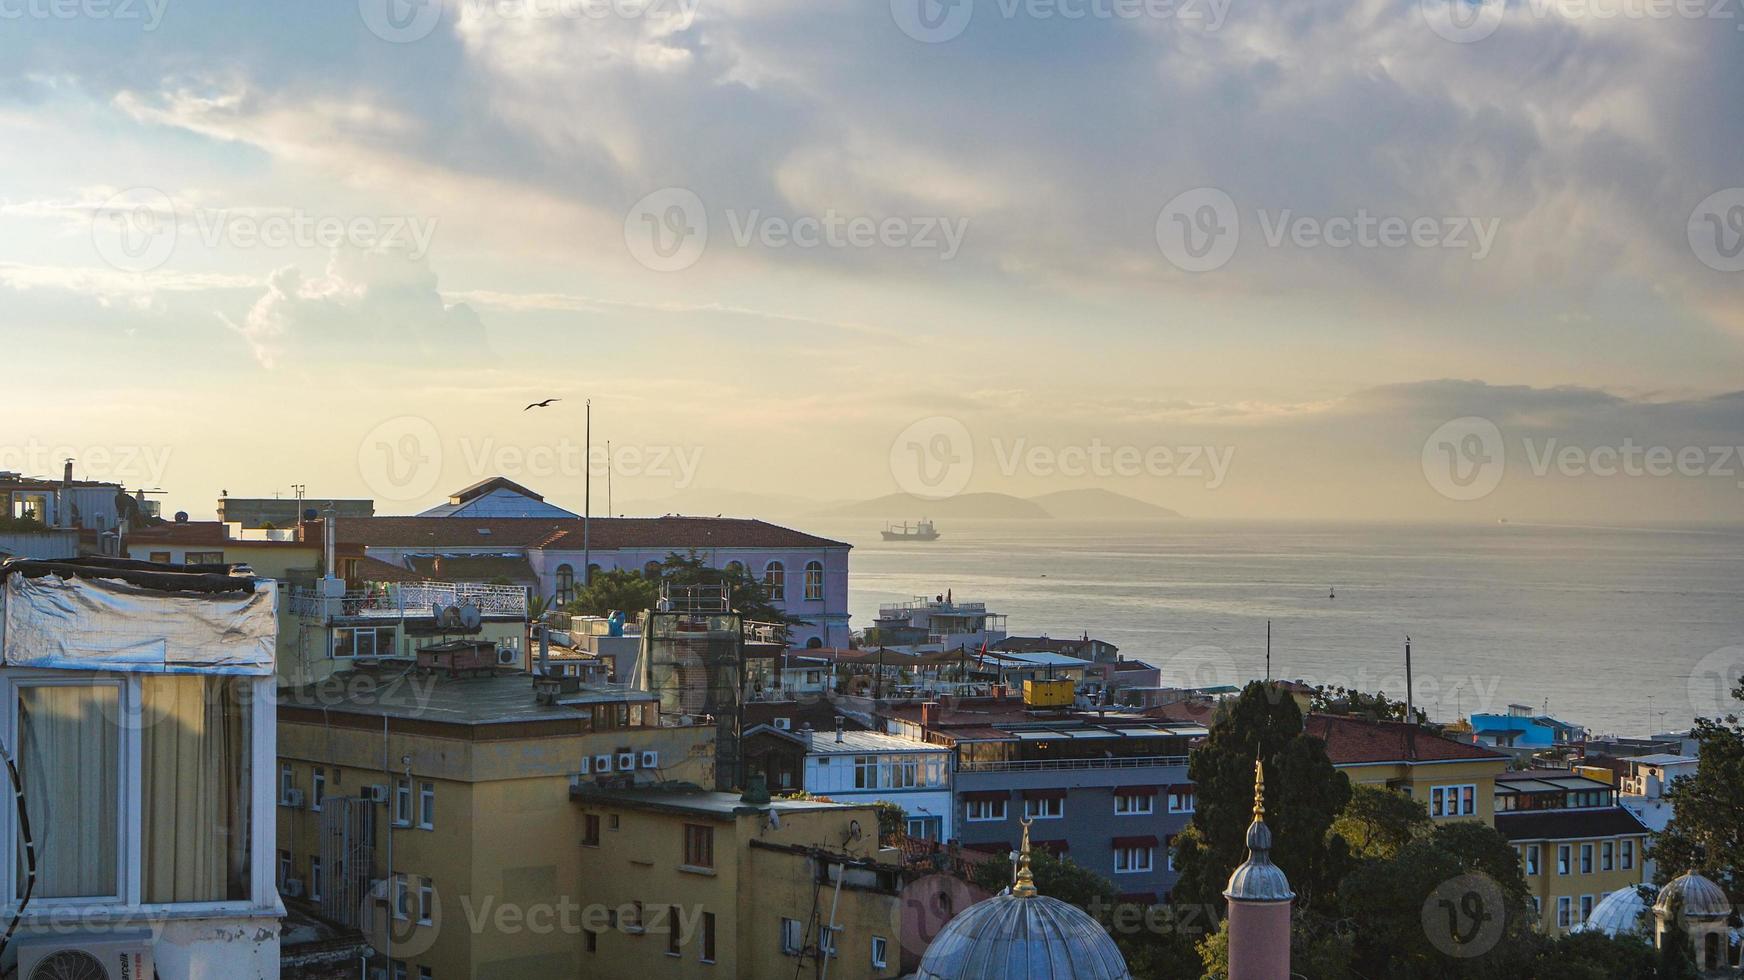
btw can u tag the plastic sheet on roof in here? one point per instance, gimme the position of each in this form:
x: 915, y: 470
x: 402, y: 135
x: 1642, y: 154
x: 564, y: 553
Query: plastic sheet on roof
x: 107, y: 624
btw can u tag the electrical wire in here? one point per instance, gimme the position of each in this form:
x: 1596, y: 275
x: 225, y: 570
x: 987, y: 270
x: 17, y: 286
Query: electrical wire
x: 29, y: 846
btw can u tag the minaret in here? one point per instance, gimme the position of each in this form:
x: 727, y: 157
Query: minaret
x: 1024, y: 885
x: 1259, y: 903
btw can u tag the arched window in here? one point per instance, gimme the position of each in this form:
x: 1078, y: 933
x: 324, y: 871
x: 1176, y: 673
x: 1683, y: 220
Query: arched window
x: 592, y: 570
x: 775, y: 580
x: 736, y: 569
x: 651, y: 569
x: 565, y: 585
x: 814, y: 580
x: 815, y: 643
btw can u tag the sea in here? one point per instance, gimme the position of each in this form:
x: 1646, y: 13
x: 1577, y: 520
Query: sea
x: 1622, y: 630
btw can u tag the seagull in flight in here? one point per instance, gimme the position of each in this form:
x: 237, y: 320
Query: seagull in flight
x: 544, y: 404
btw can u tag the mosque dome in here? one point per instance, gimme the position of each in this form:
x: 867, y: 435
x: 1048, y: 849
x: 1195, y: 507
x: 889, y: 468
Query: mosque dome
x: 1022, y: 934
x: 1702, y: 899
x: 1620, y: 913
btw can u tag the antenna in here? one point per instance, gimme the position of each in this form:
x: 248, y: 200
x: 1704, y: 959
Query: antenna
x: 587, y: 499
x: 609, y: 511
x: 1268, y: 651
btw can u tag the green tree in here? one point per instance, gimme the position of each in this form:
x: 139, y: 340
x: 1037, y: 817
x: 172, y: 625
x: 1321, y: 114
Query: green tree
x: 748, y: 595
x: 1595, y: 956
x: 1304, y: 794
x: 1378, y: 822
x: 1349, y: 701
x: 1705, y: 831
x: 619, y: 589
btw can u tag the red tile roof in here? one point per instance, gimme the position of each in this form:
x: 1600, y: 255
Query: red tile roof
x: 1355, y: 741
x: 186, y: 532
x: 604, y: 533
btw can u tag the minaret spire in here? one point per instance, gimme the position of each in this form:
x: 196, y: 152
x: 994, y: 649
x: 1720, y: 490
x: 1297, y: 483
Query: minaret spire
x: 1025, y: 885
x: 1259, y: 902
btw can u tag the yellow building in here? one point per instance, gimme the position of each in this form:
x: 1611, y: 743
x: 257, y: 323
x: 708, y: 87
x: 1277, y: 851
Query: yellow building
x: 1453, y: 780
x: 434, y: 813
x: 1576, y: 845
x: 712, y: 885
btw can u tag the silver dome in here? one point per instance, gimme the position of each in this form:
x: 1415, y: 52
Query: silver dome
x: 1257, y: 879
x: 1620, y: 913
x: 1702, y: 899
x: 1035, y: 937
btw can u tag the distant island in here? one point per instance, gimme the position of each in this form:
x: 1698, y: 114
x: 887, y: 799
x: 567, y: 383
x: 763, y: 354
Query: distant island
x: 1069, y: 505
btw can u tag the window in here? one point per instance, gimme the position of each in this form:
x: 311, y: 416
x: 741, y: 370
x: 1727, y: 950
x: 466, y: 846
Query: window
x: 590, y: 830
x: 1453, y: 801
x: 402, y: 803
x: 775, y: 581
x: 1132, y: 804
x: 1169, y: 858
x: 634, y: 919
x: 880, y: 948
x: 865, y: 772
x: 1132, y: 860
x: 426, y: 900
x: 425, y: 973
x: 285, y: 868
x: 161, y: 557
x: 814, y: 580
x: 612, y: 821
x: 827, y: 940
x: 368, y: 641
x: 314, y: 879
x: 318, y: 788
x: 592, y: 941
x: 1586, y: 859
x: 735, y: 569
x: 203, y: 558
x: 699, y: 846
x: 402, y: 897
x: 1628, y: 855
x: 792, y: 937
x: 1586, y: 907
x: 1563, y: 859
x: 1182, y: 800
x: 651, y: 569
x: 672, y: 936
x: 1608, y: 856
x: 1045, y: 809
x: 708, y: 937
x: 287, y: 781
x: 1563, y: 910
x: 1532, y: 852
x: 986, y: 810
x: 565, y: 584
x: 427, y: 805
x: 399, y: 969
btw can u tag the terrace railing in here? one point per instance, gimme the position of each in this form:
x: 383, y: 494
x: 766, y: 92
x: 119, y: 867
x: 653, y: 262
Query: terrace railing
x: 1044, y: 765
x: 410, y: 599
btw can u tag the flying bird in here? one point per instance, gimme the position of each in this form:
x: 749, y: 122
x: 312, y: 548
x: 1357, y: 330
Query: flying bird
x: 544, y: 404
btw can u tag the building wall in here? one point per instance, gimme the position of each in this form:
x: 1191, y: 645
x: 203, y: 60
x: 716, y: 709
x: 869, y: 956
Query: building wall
x: 1417, y: 779
x: 1547, y: 885
x: 835, y: 779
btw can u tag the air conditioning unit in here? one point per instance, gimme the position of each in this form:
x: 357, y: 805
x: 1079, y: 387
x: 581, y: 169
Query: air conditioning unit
x: 626, y: 761
x: 784, y: 724
x: 292, y: 888
x: 507, y: 657
x: 602, y: 763
x: 650, y: 759
x: 106, y: 956
x: 293, y: 799
x: 375, y: 792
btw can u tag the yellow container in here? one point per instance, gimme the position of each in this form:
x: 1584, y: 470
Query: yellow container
x: 1048, y: 694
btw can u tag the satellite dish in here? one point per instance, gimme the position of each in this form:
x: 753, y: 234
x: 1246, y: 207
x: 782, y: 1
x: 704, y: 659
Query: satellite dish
x: 310, y: 513
x: 181, y: 517
x: 470, y: 617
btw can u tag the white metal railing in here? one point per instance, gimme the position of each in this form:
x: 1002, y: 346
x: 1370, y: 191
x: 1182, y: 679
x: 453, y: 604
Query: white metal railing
x: 1037, y: 765
x: 395, y: 600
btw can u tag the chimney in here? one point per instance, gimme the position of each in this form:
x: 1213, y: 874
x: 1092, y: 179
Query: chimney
x: 929, y: 715
x: 67, y: 474
x: 838, y: 728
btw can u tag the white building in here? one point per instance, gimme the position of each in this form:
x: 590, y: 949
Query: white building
x: 864, y: 767
x: 1642, y: 792
x: 139, y: 712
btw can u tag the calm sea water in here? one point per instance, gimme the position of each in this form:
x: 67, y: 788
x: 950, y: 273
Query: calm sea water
x: 1625, y: 630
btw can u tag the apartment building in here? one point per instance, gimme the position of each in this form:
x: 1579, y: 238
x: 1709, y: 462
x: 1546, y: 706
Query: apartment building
x: 139, y: 709
x: 433, y: 812
x: 692, y: 883
x: 1454, y: 780
x: 1576, y: 843
x: 861, y: 767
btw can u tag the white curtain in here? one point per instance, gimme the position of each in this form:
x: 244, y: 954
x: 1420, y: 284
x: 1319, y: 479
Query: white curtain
x: 69, y: 758
x: 195, y: 788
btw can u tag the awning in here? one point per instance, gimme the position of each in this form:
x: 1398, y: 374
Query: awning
x: 1149, y: 840
x: 1182, y: 788
x: 986, y: 794
x: 1044, y: 794
x: 1136, y: 790
x: 990, y: 847
x: 1054, y: 847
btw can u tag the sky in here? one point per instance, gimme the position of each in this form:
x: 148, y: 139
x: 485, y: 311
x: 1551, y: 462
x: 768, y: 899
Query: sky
x: 1424, y: 260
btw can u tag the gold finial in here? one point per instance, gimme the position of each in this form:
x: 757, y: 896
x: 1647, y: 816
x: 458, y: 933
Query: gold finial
x: 1025, y: 886
x: 1259, y: 789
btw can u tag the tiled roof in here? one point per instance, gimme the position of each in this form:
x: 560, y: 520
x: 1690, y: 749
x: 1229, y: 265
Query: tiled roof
x: 1041, y: 644
x: 1355, y: 741
x: 1607, y: 821
x: 604, y: 533
x: 474, y: 568
x: 186, y: 532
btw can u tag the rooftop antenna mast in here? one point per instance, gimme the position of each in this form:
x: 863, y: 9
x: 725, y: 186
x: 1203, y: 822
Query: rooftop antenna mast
x: 587, y: 499
x: 609, y: 511
x: 1410, y: 715
x: 1268, y: 651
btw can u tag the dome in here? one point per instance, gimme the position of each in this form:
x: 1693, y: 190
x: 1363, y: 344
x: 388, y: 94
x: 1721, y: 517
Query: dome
x: 1702, y: 899
x: 1257, y: 879
x: 1015, y: 936
x: 1619, y: 913
x: 1022, y: 934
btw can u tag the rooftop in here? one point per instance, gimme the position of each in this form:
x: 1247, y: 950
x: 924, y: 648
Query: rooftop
x: 605, y: 533
x: 860, y: 742
x: 1610, y: 821
x: 1663, y: 759
x: 1546, y: 781
x: 689, y: 800
x: 1360, y: 741
x: 502, y: 698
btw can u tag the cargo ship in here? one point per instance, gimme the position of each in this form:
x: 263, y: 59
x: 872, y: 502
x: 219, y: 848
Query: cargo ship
x: 921, y: 530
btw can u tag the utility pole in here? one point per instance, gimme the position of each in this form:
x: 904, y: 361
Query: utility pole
x: 587, y: 498
x: 1268, y: 651
x: 1410, y: 716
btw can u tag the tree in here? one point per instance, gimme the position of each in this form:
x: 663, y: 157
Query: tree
x: 749, y: 596
x: 1377, y: 822
x: 1595, y: 956
x: 1705, y: 832
x: 1349, y: 701
x: 1304, y: 793
x: 619, y: 589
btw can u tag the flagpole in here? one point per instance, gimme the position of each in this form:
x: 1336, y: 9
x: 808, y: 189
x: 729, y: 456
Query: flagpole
x: 587, y: 499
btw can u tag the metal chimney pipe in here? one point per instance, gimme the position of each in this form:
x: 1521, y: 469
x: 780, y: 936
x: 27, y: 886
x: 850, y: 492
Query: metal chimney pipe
x: 838, y: 728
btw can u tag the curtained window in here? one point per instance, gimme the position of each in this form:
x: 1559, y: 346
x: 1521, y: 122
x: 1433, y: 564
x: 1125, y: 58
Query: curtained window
x: 194, y: 784
x: 69, y: 758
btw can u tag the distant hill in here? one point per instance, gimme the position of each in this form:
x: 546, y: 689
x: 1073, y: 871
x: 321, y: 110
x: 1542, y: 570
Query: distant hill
x: 1097, y: 504
x: 1070, y: 505
x: 696, y: 502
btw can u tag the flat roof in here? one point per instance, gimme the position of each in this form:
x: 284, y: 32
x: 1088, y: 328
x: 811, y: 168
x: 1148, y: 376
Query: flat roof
x: 498, y: 699
x: 1663, y: 759
x: 1532, y: 782
x: 693, y: 801
x: 823, y: 742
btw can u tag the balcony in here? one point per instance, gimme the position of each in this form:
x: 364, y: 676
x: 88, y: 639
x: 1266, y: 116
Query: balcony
x: 1046, y: 765
x: 409, y: 599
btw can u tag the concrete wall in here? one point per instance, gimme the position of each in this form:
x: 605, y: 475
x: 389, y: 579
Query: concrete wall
x: 40, y: 544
